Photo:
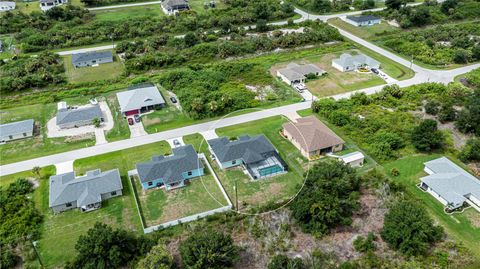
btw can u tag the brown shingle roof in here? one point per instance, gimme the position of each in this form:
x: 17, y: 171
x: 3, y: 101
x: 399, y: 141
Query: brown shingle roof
x: 312, y: 134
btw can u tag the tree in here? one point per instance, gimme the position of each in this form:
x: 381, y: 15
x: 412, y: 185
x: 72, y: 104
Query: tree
x: 461, y: 56
x: 471, y: 150
x: 209, y: 249
x: 284, y: 262
x: 365, y: 244
x: 103, y: 247
x: 96, y: 122
x: 447, y: 113
x: 409, y: 229
x: 468, y: 119
x: 157, y: 258
x: 432, y: 107
x: 394, y: 4
x: 447, y: 5
x: 328, y: 198
x: 426, y: 136
x: 190, y: 39
x: 261, y: 25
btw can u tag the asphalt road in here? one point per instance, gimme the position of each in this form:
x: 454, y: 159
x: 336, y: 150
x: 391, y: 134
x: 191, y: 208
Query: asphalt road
x: 421, y: 75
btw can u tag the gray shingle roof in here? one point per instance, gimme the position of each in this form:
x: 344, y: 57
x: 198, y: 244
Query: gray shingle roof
x: 79, y: 114
x: 295, y: 71
x: 450, y: 181
x: 174, y: 3
x: 249, y: 149
x: 18, y: 127
x: 170, y: 168
x: 348, y: 60
x: 136, y: 98
x: 9, y: 4
x: 87, y: 189
x: 88, y: 56
x: 363, y: 18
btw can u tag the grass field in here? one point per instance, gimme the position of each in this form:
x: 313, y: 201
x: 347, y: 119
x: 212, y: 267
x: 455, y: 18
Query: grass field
x: 258, y: 193
x: 120, y: 129
x: 104, y: 71
x: 128, y: 13
x: 44, y: 172
x: 198, y: 5
x: 459, y: 226
x: 365, y: 32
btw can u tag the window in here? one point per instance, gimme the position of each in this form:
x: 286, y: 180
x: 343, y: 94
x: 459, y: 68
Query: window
x: 113, y: 193
x: 234, y: 162
x: 10, y: 136
x: 189, y: 173
x: 68, y: 204
x: 150, y: 183
x: 24, y: 134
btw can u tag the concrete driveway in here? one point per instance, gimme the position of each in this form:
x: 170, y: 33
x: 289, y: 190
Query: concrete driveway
x: 388, y: 79
x: 136, y: 129
x: 210, y: 134
x: 64, y: 167
x: 172, y: 144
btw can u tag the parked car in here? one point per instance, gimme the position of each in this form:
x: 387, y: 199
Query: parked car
x: 374, y: 70
x: 130, y: 121
x: 173, y: 99
x: 299, y: 87
x: 137, y: 118
x: 176, y: 143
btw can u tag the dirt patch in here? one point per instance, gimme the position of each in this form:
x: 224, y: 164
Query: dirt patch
x: 150, y: 121
x: 474, y: 217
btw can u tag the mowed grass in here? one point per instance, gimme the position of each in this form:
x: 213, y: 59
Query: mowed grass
x: 120, y: 128
x: 61, y: 231
x: 44, y: 173
x: 199, y: 5
x: 104, y: 71
x: 459, y: 226
x: 39, y: 144
x: 128, y: 13
x: 365, y: 32
x: 261, y: 192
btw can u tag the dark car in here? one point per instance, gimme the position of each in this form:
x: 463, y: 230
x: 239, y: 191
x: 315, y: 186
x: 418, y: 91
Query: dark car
x: 137, y: 118
x: 374, y: 70
x: 173, y: 99
x: 130, y: 121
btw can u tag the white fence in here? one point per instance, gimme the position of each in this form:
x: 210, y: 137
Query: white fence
x: 194, y: 217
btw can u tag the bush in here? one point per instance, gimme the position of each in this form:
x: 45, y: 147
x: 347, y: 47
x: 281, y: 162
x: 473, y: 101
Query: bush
x: 426, y: 136
x: 394, y: 172
x: 447, y: 113
x: 157, y: 258
x: 365, y: 244
x: 432, y: 107
x: 283, y: 262
x: 471, y: 150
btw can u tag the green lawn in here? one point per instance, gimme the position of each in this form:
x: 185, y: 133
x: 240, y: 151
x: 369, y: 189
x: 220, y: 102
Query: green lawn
x: 198, y: 5
x: 39, y: 145
x: 366, y: 32
x: 104, y: 71
x: 458, y: 225
x: 128, y: 13
x: 45, y: 172
x: 120, y: 128
x: 261, y: 192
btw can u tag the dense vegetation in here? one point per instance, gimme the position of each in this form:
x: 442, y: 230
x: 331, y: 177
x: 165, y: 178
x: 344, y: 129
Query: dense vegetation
x: 328, y: 198
x: 103, y: 247
x: 209, y: 249
x: 432, y: 12
x: 409, y: 229
x: 167, y: 50
x: 372, y: 121
x: 34, y: 35
x: 324, y: 6
x: 439, y: 45
x: 26, y: 72
x: 207, y: 91
x: 157, y: 258
x: 19, y: 220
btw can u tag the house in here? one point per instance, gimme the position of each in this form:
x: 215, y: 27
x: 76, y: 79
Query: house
x: 85, y: 192
x: 295, y: 73
x: 172, y: 171
x: 172, y: 6
x: 450, y: 184
x: 7, y: 5
x: 256, y: 154
x: 70, y: 117
x: 312, y: 137
x: 91, y: 58
x: 347, y: 62
x: 16, y: 130
x: 363, y: 20
x: 140, y: 99
x: 48, y: 4
x: 354, y: 159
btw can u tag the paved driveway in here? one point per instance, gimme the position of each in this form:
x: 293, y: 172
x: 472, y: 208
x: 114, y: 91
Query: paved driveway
x: 172, y: 144
x: 137, y: 129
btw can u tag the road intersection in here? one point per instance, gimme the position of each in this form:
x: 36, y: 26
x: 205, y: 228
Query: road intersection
x: 421, y: 75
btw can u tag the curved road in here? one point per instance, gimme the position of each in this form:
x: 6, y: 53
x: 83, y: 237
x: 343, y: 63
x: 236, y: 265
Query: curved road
x: 421, y: 75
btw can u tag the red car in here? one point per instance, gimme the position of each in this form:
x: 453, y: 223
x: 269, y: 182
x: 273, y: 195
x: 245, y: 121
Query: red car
x: 130, y: 121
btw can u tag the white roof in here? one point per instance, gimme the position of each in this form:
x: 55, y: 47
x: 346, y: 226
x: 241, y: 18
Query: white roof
x: 138, y: 97
x: 351, y: 157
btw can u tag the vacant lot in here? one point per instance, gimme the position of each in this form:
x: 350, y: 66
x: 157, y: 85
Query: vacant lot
x: 365, y: 32
x: 128, y: 13
x: 104, y: 71
x: 460, y: 226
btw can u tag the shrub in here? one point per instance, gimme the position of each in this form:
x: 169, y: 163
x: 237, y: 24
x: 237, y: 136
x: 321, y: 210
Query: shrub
x: 426, y: 136
x: 394, y: 172
x: 365, y: 244
x: 283, y: 262
x: 432, y: 107
x: 471, y: 150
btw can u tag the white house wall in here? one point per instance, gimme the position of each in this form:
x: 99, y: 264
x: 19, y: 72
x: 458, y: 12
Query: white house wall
x: 438, y: 197
x: 475, y: 200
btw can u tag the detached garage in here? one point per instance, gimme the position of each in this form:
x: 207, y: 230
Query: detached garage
x: 140, y: 99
